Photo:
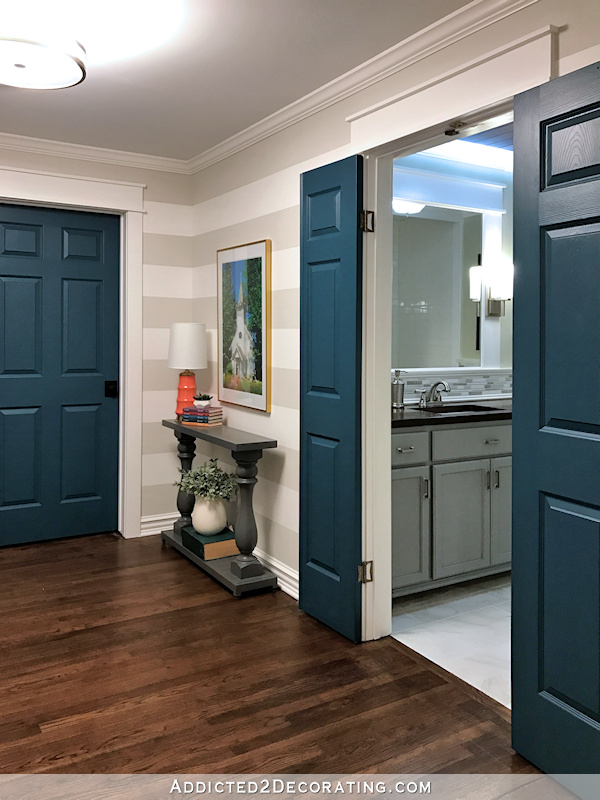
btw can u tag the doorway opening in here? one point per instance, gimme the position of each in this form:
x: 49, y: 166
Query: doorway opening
x: 451, y: 325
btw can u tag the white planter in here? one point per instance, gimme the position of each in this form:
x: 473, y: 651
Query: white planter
x: 202, y: 403
x: 209, y: 516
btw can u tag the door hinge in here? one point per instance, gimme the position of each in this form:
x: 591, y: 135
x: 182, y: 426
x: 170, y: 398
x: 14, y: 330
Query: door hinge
x: 365, y: 572
x: 367, y: 221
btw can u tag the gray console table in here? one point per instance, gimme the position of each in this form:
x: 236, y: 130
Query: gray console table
x: 243, y: 573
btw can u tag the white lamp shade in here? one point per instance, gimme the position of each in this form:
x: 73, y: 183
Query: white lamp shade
x: 187, y: 346
x: 501, y: 287
x: 475, y: 283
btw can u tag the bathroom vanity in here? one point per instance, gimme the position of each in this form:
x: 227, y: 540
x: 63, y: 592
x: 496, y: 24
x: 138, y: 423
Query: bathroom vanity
x: 451, y: 494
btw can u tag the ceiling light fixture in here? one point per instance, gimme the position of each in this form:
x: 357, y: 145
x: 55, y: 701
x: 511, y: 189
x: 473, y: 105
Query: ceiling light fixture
x: 32, y: 64
x: 406, y: 206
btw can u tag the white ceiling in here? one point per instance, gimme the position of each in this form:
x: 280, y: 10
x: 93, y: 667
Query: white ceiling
x: 233, y: 63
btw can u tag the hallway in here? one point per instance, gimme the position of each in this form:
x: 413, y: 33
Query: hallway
x: 120, y: 656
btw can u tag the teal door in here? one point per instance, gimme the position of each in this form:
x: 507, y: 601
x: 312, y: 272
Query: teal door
x: 556, y: 440
x: 330, y: 395
x: 59, y: 353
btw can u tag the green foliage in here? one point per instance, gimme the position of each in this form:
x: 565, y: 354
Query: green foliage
x: 209, y: 481
x: 255, y: 312
x: 203, y: 397
x: 228, y: 301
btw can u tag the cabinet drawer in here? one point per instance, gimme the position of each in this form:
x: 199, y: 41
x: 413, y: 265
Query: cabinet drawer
x: 410, y: 448
x: 471, y: 442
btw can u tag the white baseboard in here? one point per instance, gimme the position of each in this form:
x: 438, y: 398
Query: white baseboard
x: 288, y: 578
x: 149, y: 526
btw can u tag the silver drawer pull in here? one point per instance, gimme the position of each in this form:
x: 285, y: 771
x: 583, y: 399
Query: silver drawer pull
x: 408, y: 449
x: 492, y: 441
x: 426, y: 488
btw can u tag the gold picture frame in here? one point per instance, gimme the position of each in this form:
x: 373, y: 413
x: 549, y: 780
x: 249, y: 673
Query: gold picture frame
x: 244, y: 325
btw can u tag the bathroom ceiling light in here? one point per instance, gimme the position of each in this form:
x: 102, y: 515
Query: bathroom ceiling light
x: 406, y: 206
x: 32, y: 64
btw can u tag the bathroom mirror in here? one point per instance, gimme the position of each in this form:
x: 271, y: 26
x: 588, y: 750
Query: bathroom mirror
x: 452, y: 205
x: 434, y: 323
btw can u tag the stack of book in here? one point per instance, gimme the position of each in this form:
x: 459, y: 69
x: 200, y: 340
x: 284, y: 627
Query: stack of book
x: 209, y: 547
x: 203, y: 416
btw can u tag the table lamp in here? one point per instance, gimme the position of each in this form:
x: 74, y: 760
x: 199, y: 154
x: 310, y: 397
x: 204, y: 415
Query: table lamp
x: 187, y: 351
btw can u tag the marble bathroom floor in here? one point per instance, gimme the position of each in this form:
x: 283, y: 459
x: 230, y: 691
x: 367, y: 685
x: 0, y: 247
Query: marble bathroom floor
x: 465, y: 629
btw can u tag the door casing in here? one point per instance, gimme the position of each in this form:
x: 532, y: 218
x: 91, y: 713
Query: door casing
x: 60, y: 191
x: 377, y: 360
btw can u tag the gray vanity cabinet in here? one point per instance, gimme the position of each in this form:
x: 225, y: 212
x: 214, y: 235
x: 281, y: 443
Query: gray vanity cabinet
x: 461, y: 528
x: 451, y: 511
x: 501, y: 509
x: 411, y: 521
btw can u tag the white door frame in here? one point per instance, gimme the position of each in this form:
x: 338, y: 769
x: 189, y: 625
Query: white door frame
x: 27, y: 187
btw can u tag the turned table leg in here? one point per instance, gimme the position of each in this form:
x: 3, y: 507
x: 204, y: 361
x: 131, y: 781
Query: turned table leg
x: 186, y: 450
x: 246, y: 565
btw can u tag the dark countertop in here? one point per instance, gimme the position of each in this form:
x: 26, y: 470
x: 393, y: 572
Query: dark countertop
x: 491, y: 411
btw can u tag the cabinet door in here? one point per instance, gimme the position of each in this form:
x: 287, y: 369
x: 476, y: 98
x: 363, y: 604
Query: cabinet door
x: 501, y: 527
x: 411, y: 526
x: 461, y: 523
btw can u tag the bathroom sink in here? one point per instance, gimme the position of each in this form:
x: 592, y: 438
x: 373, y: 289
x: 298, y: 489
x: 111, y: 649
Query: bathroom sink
x: 459, y: 408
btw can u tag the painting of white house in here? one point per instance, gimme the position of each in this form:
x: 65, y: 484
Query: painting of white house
x: 244, y: 324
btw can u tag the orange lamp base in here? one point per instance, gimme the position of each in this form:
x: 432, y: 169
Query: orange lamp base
x: 185, y: 391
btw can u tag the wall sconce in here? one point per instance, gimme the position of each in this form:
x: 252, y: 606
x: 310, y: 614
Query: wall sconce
x: 475, y: 279
x: 187, y: 351
x: 500, y: 289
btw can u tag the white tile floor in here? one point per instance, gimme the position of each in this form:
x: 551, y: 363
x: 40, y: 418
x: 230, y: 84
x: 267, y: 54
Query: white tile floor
x: 465, y: 629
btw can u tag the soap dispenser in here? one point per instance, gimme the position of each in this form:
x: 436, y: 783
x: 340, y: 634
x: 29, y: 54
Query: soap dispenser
x: 398, y: 389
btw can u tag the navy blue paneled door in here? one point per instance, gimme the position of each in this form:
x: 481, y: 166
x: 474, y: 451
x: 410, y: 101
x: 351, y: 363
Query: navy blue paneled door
x: 330, y: 395
x: 556, y: 447
x: 59, y: 345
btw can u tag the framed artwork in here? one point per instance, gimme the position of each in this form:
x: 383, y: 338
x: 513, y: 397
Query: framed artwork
x: 244, y: 324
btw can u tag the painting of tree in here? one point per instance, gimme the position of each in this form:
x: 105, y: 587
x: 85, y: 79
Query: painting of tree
x: 254, y: 289
x: 228, y: 311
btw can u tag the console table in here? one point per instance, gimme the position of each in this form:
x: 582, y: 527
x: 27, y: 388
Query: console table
x: 242, y: 573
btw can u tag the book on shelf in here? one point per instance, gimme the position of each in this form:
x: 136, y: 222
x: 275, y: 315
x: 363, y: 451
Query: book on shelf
x: 208, y: 548
x: 202, y: 424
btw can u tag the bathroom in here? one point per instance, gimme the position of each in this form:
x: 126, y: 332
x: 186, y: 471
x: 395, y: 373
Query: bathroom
x: 452, y: 396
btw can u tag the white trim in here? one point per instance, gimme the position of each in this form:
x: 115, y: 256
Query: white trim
x: 64, y: 191
x: 157, y: 523
x: 489, y: 79
x: 288, y: 578
x: 97, y: 155
x: 453, y: 28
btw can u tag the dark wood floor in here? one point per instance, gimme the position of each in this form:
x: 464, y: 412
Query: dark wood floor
x: 120, y: 656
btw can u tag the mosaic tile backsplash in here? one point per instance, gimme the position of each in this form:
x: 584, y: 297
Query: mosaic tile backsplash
x: 479, y: 384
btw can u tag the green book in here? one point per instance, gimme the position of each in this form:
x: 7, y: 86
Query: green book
x: 219, y: 545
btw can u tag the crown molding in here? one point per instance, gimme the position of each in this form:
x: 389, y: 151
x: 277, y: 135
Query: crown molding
x: 99, y: 155
x: 441, y: 34
x: 473, y: 17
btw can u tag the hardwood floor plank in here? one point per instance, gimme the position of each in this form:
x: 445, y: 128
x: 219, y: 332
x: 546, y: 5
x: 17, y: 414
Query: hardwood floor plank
x: 120, y: 656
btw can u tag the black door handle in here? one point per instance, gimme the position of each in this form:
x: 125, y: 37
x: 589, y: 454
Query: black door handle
x: 111, y: 389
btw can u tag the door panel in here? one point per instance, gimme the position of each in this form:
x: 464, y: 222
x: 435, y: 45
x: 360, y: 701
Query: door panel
x: 330, y: 391
x: 461, y: 517
x: 411, y: 526
x: 59, y: 320
x: 556, y: 419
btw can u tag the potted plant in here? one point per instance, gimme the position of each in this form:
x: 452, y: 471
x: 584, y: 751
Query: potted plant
x: 211, y: 485
x: 202, y: 400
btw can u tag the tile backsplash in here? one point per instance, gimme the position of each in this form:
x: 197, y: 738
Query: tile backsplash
x: 474, y: 383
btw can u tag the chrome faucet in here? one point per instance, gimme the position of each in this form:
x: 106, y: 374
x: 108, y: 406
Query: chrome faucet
x: 432, y: 398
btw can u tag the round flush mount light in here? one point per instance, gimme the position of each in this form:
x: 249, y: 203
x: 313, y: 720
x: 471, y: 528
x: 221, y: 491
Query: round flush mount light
x: 30, y: 64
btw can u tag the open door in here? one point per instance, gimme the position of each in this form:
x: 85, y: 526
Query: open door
x: 330, y: 394
x: 556, y: 449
